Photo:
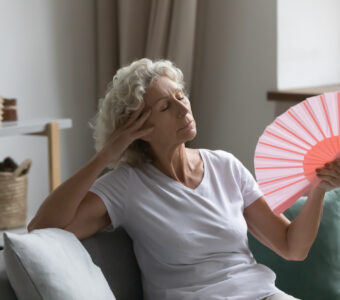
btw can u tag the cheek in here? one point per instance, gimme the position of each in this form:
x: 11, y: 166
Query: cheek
x: 162, y: 125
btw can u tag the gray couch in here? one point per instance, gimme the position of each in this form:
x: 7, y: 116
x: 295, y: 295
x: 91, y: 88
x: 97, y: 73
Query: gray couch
x: 112, y: 251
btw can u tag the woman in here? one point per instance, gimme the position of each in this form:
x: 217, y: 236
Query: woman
x: 186, y: 210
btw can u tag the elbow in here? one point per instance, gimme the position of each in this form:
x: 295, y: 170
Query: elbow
x: 303, y: 256
x: 41, y: 225
x: 31, y: 226
x: 34, y: 225
x: 297, y: 256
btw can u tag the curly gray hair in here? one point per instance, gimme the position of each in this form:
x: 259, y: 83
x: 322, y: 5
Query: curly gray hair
x: 125, y: 95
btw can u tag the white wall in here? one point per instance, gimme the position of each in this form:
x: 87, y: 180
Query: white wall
x: 47, y: 62
x: 246, y: 48
x: 236, y: 66
x: 308, y: 43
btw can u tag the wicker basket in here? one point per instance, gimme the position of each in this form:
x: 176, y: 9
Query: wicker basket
x: 13, y: 196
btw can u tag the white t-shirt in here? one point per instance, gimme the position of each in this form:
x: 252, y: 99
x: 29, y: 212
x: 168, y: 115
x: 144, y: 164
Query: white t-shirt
x: 190, y: 244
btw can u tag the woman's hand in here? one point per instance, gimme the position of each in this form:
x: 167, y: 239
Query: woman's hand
x: 123, y: 136
x: 329, y: 176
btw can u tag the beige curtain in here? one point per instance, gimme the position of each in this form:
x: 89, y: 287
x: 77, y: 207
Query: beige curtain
x: 132, y: 29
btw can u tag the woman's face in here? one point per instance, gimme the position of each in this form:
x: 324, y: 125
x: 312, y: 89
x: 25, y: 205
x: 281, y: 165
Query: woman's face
x: 170, y: 112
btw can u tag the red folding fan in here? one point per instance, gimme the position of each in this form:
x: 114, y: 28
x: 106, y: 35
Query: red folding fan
x: 299, y: 141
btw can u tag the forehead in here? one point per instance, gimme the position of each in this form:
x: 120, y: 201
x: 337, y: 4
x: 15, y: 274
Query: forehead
x: 161, y: 85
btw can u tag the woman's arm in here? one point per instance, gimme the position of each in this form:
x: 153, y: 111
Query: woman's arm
x: 302, y: 231
x: 290, y: 240
x: 293, y: 240
x: 59, y: 208
x: 268, y: 228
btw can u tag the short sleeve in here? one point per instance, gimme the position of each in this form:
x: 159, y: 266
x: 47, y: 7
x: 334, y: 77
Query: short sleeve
x: 111, y: 188
x: 248, y: 185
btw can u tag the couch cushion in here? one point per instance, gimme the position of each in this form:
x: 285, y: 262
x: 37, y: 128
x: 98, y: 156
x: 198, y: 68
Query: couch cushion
x: 113, y: 252
x: 318, y: 276
x: 52, y: 264
x: 6, y: 291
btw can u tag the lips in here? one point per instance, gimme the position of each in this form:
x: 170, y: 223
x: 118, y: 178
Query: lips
x: 186, y: 125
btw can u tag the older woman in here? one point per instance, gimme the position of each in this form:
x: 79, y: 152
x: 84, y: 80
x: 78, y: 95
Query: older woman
x: 186, y: 210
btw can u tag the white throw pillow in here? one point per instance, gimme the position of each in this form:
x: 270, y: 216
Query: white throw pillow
x: 52, y: 264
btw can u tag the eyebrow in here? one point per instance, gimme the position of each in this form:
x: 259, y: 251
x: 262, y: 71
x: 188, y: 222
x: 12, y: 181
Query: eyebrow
x: 162, y: 98
x: 166, y: 97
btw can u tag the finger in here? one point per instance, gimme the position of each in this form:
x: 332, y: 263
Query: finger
x: 330, y: 179
x: 143, y: 132
x: 135, y: 115
x: 337, y: 170
x: 140, y: 121
x: 326, y: 171
x: 334, y: 166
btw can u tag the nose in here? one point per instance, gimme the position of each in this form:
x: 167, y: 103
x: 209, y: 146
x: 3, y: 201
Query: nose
x: 183, y: 107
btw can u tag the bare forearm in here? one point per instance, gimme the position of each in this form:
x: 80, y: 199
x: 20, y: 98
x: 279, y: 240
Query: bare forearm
x: 59, y: 208
x: 303, y: 230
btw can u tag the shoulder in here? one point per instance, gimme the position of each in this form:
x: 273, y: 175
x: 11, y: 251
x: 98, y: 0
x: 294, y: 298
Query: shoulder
x: 222, y: 159
x: 219, y: 155
x: 121, y: 172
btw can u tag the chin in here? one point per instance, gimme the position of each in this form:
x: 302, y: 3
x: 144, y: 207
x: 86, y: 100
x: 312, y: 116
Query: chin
x: 191, y: 135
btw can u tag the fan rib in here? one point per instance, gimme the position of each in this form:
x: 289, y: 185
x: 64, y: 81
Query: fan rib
x: 278, y: 158
x: 277, y: 167
x: 332, y: 141
x: 270, y: 145
x: 279, y: 137
x: 281, y: 178
x: 285, y: 186
x: 284, y: 205
x: 315, y: 121
x: 303, y: 126
x: 301, y: 139
x: 317, y: 124
x: 326, y: 114
x: 284, y: 178
x: 315, y: 156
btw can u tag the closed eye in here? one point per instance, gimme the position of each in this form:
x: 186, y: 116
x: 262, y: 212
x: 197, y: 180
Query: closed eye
x: 169, y: 105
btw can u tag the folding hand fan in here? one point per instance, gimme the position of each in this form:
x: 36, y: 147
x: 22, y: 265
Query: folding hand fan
x: 289, y: 150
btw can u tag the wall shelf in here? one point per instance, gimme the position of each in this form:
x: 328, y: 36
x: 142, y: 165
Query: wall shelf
x: 301, y: 93
x: 48, y: 127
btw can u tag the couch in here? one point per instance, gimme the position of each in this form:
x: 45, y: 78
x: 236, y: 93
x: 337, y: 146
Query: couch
x: 318, y: 276
x: 112, y: 251
x: 315, y: 278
